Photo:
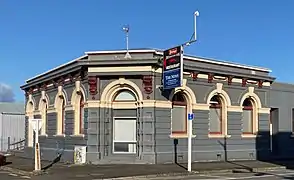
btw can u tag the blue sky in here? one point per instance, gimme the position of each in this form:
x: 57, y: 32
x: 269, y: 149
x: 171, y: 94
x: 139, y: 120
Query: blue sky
x: 38, y: 35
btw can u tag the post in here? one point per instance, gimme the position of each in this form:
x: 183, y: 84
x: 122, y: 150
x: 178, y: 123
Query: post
x: 37, y: 147
x: 190, y: 145
x: 8, y: 143
x: 196, y: 13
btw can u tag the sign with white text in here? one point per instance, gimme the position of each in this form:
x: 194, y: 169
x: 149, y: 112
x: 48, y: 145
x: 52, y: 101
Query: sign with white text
x: 172, y: 75
x: 190, y: 116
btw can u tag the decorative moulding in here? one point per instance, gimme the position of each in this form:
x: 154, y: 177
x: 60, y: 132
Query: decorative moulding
x: 43, y: 95
x: 78, y: 86
x: 219, y: 87
x: 60, y: 91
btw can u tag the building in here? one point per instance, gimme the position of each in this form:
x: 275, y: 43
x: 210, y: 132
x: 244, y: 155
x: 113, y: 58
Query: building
x: 117, y: 109
x: 12, y: 125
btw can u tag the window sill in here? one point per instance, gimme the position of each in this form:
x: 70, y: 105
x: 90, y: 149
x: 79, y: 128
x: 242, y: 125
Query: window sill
x: 218, y: 136
x: 77, y: 135
x: 249, y: 135
x: 59, y: 135
x: 179, y: 136
x: 43, y: 135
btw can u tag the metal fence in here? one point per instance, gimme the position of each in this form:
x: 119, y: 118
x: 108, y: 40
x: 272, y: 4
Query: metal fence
x: 12, y: 129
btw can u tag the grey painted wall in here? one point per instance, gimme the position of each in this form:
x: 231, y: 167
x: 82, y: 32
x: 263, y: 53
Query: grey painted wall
x: 282, y: 97
x: 51, y: 145
x: 209, y: 149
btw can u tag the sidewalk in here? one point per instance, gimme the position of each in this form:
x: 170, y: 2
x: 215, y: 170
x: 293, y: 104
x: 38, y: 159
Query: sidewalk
x: 126, y: 170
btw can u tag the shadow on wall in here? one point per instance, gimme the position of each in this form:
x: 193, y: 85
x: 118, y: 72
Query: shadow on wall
x: 276, y: 149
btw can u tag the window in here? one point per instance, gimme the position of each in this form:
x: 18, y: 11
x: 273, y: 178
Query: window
x: 179, y: 115
x: 248, y: 117
x: 29, y: 113
x: 125, y: 95
x: 216, y: 116
x: 44, y: 117
x: 82, y: 118
x: 124, y: 135
x: 63, y: 116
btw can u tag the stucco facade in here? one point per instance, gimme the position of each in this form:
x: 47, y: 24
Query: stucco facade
x: 126, y: 115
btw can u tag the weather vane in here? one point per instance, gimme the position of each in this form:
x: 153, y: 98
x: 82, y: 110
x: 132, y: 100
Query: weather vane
x: 126, y: 29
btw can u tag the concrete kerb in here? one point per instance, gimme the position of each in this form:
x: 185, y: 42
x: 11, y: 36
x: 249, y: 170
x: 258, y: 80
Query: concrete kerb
x: 241, y: 170
x: 153, y: 176
x: 261, y: 169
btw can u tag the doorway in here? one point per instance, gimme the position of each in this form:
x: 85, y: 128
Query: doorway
x: 274, y: 131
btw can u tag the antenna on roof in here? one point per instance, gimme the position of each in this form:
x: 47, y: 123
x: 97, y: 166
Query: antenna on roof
x: 194, y: 35
x: 126, y: 29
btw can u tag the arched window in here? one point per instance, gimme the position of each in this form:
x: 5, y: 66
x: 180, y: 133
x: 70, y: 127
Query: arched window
x: 124, y: 96
x: 179, y: 114
x: 248, y: 117
x: 63, y: 115
x: 216, y: 116
x: 82, y: 118
x: 30, y: 115
x: 43, y: 116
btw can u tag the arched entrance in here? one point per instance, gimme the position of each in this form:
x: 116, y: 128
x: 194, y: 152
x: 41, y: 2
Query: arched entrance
x: 121, y: 111
x: 124, y: 126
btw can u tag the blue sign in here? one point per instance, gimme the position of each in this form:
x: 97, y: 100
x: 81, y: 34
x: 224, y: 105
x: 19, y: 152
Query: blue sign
x: 190, y: 116
x: 172, y: 79
x: 172, y: 68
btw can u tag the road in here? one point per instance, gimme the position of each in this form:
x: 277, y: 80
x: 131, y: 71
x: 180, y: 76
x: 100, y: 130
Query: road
x: 269, y: 175
x: 10, y: 176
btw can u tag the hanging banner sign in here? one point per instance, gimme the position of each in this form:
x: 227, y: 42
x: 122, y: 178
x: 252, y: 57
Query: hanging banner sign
x: 172, y: 75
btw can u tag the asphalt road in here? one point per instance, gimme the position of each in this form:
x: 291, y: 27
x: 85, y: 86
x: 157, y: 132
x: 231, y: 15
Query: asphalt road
x: 268, y: 175
x: 10, y: 176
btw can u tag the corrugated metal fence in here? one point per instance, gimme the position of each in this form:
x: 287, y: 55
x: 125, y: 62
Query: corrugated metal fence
x: 12, y: 129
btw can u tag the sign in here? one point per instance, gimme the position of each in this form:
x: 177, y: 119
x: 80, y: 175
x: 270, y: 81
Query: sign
x: 36, y: 124
x: 190, y: 116
x: 172, y: 75
x: 80, y: 154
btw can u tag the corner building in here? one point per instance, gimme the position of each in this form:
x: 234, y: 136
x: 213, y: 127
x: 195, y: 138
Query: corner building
x: 117, y: 109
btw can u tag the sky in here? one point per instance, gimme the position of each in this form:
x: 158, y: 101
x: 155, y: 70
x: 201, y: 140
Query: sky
x: 36, y: 36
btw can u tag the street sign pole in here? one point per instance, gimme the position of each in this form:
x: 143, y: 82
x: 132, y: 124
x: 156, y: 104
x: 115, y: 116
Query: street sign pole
x: 172, y: 78
x: 190, y: 130
x: 191, y: 115
x: 37, y: 149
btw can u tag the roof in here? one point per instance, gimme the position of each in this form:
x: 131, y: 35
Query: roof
x: 156, y: 51
x: 191, y: 57
x: 12, y: 107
